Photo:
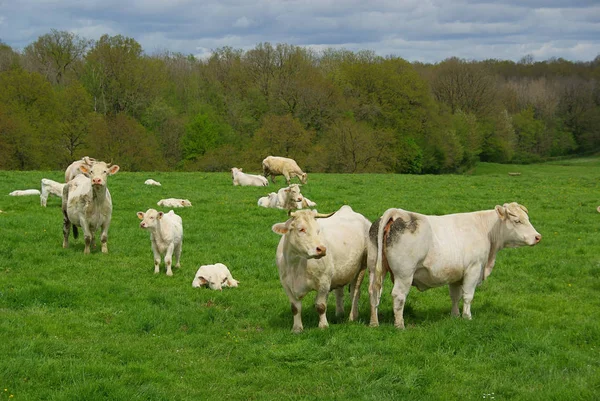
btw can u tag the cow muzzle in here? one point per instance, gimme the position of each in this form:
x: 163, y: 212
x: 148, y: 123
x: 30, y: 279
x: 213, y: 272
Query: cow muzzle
x: 320, y: 251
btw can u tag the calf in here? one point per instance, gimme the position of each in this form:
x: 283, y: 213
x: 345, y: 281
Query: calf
x: 152, y: 182
x: 166, y: 236
x: 322, y: 255
x: 458, y: 250
x: 243, y: 179
x: 269, y: 200
x: 87, y: 204
x: 275, y: 165
x: 174, y: 202
x: 50, y: 187
x: 214, y: 276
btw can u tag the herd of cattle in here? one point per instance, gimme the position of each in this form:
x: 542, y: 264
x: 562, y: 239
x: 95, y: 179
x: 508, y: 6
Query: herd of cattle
x: 319, y: 252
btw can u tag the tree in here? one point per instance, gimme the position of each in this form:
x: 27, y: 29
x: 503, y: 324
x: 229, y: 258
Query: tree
x: 56, y: 54
x: 206, y: 131
x: 282, y: 136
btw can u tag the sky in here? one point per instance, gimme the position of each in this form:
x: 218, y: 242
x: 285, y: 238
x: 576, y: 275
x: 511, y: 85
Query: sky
x: 417, y: 30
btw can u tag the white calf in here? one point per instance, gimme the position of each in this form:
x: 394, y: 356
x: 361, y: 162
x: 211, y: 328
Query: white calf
x: 214, y: 276
x: 247, y: 180
x: 25, y: 192
x: 174, y: 202
x: 166, y: 236
x: 50, y: 187
x: 150, y: 181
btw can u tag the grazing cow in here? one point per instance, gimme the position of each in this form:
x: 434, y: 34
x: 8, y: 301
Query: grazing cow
x: 270, y: 200
x: 431, y: 251
x: 87, y: 204
x: 50, y: 187
x: 275, y: 165
x: 598, y: 209
x: 73, y: 170
x: 247, y: 180
x: 166, y: 236
x: 173, y: 202
x: 150, y: 181
x: 25, y: 192
x: 322, y: 255
x: 214, y: 276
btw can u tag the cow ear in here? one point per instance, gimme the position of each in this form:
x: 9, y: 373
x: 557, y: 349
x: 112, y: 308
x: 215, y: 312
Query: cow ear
x: 501, y: 210
x: 113, y: 169
x: 84, y: 169
x: 160, y: 215
x: 140, y: 215
x: 240, y: 169
x: 202, y: 280
x: 280, y: 228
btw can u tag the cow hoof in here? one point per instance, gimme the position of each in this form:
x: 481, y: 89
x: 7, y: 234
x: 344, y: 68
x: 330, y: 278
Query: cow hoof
x: 374, y: 324
x: 169, y: 274
x: 297, y: 330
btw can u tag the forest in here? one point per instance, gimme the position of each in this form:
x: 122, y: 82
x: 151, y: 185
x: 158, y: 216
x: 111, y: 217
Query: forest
x: 65, y: 96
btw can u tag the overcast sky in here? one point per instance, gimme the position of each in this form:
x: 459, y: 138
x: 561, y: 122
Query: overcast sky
x: 416, y: 30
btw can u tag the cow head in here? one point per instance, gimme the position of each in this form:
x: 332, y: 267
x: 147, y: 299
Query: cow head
x: 303, y: 178
x: 303, y: 233
x: 150, y: 218
x: 517, y: 230
x: 293, y: 193
x: 98, y: 172
x: 234, y: 171
x: 185, y: 202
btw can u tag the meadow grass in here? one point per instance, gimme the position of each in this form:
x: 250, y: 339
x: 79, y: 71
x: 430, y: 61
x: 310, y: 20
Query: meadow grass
x: 103, y: 326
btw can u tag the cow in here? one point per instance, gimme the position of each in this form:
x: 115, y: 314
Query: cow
x: 458, y: 250
x: 275, y: 165
x: 73, y: 170
x: 214, y: 276
x: 245, y: 180
x: 270, y: 200
x: 166, y: 236
x: 322, y: 253
x: 150, y: 181
x: 87, y: 204
x: 25, y: 192
x: 174, y: 202
x: 50, y: 187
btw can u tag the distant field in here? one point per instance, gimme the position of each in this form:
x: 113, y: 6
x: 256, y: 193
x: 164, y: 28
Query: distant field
x: 99, y: 327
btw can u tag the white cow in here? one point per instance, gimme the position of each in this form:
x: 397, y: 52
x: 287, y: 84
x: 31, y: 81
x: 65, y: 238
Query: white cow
x: 166, y: 236
x: 270, y: 200
x: 25, y: 192
x: 245, y: 180
x: 431, y: 251
x: 50, y: 187
x: 150, y: 181
x: 73, y: 170
x: 276, y: 165
x: 174, y: 202
x: 322, y: 255
x: 87, y: 204
x: 214, y: 276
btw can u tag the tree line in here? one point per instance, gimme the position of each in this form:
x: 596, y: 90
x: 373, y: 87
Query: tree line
x: 64, y: 96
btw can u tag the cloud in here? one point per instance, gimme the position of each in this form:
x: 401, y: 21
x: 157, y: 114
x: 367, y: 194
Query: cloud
x: 417, y: 30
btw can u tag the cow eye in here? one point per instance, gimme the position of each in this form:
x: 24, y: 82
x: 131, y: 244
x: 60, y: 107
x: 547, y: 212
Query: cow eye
x: 517, y: 221
x: 302, y: 230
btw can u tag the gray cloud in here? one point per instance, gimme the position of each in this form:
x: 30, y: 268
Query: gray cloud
x: 423, y: 30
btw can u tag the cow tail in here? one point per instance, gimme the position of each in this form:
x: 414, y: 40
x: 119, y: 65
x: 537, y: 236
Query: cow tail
x: 388, y: 217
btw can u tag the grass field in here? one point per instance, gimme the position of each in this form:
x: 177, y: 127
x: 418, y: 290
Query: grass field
x: 99, y: 327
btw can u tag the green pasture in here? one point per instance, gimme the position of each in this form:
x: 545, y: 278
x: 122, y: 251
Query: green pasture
x: 105, y: 327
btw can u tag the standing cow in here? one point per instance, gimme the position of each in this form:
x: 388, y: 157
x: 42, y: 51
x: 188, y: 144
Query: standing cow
x: 166, y: 236
x: 430, y: 251
x: 87, y: 204
x: 322, y: 255
x: 276, y: 165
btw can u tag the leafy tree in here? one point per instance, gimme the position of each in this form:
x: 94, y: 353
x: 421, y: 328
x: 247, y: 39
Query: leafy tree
x: 75, y: 107
x: 282, y: 136
x: 206, y: 131
x: 9, y: 59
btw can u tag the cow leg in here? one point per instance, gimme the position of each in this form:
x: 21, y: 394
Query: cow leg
x: 178, y: 255
x: 296, y: 306
x: 455, y: 296
x: 87, y: 235
x: 339, y: 302
x: 355, y: 291
x: 287, y: 176
x: 399, y: 293
x: 169, y: 259
x: 321, y: 306
x: 156, y: 258
x: 66, y: 229
x: 104, y: 237
x: 375, y: 296
x: 468, y: 288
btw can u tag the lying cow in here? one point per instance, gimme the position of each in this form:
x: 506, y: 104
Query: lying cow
x: 275, y: 165
x: 214, y: 276
x: 150, y: 181
x: 322, y: 255
x: 50, y: 187
x: 174, y: 202
x: 73, y: 170
x: 25, y: 192
x: 247, y: 180
x: 431, y: 251
x: 166, y: 236
x: 270, y: 200
x: 87, y: 204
